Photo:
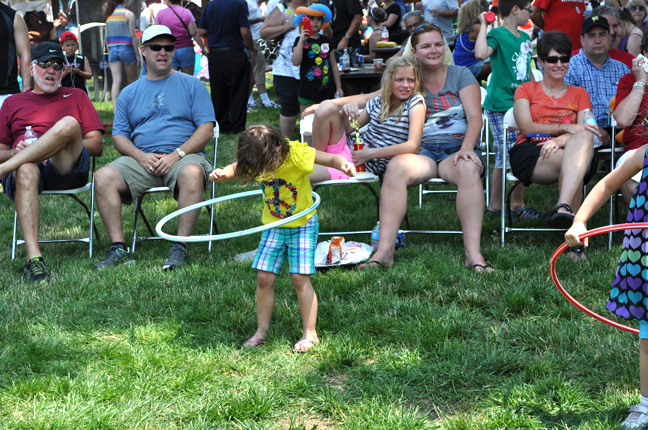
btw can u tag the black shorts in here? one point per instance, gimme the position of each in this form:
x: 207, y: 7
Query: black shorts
x: 288, y: 90
x: 50, y: 179
x: 524, y: 157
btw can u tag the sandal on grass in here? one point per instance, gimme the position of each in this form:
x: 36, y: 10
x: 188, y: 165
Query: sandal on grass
x: 527, y: 214
x: 304, y: 345
x: 492, y: 213
x: 638, y: 418
x: 373, y: 264
x: 562, y: 220
x: 254, y: 342
x: 482, y: 268
x: 578, y: 251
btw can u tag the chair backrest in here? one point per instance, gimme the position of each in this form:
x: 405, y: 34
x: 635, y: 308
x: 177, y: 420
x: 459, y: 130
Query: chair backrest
x: 483, y: 94
x: 509, y: 121
x: 537, y: 75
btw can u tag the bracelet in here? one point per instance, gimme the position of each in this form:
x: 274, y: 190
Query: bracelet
x: 639, y: 84
x: 346, y: 36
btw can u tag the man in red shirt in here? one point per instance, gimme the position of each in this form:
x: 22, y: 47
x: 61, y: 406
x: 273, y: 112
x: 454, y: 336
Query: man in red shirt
x: 564, y: 15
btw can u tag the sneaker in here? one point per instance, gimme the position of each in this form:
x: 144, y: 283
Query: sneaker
x: 35, y: 270
x: 251, y: 109
x: 175, y: 257
x: 270, y: 105
x: 116, y: 255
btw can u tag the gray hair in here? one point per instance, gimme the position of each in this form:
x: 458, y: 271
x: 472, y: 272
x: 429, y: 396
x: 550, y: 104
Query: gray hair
x: 417, y: 13
x: 606, y: 10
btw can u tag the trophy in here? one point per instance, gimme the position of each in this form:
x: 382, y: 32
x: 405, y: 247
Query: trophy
x: 357, y: 145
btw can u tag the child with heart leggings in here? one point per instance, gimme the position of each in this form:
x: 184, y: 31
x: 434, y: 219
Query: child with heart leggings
x: 630, y: 287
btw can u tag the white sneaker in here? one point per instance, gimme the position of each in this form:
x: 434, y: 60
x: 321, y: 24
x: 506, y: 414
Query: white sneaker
x: 638, y: 418
x: 270, y: 105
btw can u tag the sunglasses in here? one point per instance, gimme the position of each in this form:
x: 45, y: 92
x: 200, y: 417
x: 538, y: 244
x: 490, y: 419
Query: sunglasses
x: 157, y: 48
x: 553, y: 59
x: 427, y: 27
x: 47, y: 65
x: 637, y: 8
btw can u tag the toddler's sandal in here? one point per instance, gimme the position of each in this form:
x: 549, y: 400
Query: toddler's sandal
x: 638, y: 418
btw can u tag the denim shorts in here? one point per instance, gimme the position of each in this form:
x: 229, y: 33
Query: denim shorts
x: 295, y: 243
x: 476, y: 68
x: 440, y: 151
x: 122, y: 53
x: 50, y: 179
x: 184, y: 57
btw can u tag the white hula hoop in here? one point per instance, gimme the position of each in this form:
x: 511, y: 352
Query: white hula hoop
x: 209, y: 238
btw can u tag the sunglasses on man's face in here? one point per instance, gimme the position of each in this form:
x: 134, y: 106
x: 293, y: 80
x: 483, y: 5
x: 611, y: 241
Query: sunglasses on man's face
x: 553, y: 59
x: 47, y: 65
x: 157, y: 48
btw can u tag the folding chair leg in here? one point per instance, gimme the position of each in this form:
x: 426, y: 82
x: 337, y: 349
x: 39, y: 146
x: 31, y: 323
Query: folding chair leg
x: 15, y: 238
x: 138, y: 210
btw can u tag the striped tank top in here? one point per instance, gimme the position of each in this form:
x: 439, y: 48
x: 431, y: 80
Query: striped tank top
x: 117, y: 31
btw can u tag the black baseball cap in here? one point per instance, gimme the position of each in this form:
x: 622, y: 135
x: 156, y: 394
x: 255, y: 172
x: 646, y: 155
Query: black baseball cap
x: 46, y: 51
x: 594, y: 21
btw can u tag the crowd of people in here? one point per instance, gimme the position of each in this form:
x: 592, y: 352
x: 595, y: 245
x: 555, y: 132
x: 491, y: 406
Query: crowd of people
x: 424, y: 122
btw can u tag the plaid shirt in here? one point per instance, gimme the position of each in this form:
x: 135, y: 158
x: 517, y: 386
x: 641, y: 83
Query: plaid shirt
x: 601, y: 84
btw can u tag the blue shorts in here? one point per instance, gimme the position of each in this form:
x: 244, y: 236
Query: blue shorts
x: 122, y: 53
x: 476, y: 68
x: 296, y: 243
x: 440, y: 151
x: 184, y: 57
x: 50, y: 179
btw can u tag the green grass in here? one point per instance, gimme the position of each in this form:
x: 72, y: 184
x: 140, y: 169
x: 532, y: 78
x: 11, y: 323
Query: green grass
x: 424, y: 345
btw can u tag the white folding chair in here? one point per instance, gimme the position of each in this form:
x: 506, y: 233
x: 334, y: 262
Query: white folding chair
x: 139, y: 212
x: 73, y: 194
x: 511, y: 125
x: 612, y: 153
x: 366, y: 180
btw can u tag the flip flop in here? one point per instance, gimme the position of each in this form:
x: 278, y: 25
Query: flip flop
x: 304, y: 345
x: 482, y: 268
x: 372, y: 264
x: 254, y: 342
x: 561, y: 220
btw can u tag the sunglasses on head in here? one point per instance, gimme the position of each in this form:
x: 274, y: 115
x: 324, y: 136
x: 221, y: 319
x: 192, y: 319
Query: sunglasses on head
x: 637, y: 8
x: 553, y: 59
x: 157, y: 48
x: 47, y: 65
x: 426, y: 26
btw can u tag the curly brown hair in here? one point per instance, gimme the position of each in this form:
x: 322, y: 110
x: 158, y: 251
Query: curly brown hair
x: 262, y: 149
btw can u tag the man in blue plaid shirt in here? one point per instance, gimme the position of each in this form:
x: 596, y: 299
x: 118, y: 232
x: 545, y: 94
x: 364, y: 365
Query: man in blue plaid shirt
x: 593, y: 69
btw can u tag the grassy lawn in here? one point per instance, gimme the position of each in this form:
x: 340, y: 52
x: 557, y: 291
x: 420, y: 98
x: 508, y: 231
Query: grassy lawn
x: 424, y: 345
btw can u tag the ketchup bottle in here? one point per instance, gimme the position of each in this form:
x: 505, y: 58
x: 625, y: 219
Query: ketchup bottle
x: 306, y: 24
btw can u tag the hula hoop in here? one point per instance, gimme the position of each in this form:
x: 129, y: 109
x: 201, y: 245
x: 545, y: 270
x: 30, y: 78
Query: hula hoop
x: 209, y: 238
x: 573, y: 301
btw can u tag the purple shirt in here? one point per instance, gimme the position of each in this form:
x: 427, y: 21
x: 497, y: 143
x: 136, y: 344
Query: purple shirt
x: 168, y: 18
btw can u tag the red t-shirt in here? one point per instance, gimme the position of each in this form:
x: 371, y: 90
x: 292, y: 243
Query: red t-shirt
x: 622, y: 56
x: 546, y: 110
x: 564, y: 15
x: 42, y: 111
x: 635, y: 134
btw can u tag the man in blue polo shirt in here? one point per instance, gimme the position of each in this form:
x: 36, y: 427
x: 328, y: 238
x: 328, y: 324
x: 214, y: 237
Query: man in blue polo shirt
x: 226, y: 25
x: 593, y: 69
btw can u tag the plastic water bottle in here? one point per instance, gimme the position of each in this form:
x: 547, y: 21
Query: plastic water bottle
x: 588, y: 9
x: 384, y: 34
x: 346, y: 61
x: 375, y: 236
x: 30, y: 135
x: 589, y: 119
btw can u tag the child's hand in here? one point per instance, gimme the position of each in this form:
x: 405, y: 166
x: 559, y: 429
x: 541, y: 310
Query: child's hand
x: 305, y: 34
x: 217, y: 175
x: 572, y: 235
x: 482, y: 18
x: 351, y: 110
x: 348, y: 168
x: 362, y: 156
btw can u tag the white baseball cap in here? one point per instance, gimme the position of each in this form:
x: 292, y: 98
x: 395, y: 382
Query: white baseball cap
x: 156, y: 30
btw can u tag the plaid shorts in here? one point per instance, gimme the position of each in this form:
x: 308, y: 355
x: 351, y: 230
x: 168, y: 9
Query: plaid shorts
x: 496, y: 122
x: 296, y: 243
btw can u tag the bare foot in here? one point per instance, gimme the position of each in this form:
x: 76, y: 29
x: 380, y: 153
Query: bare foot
x: 373, y: 264
x: 305, y: 344
x: 253, y: 342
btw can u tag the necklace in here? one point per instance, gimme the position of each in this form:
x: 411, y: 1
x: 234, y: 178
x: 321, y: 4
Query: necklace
x: 554, y: 98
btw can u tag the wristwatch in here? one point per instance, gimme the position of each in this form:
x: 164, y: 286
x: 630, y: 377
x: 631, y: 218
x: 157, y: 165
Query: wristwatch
x: 346, y: 36
x: 180, y: 152
x: 639, y: 84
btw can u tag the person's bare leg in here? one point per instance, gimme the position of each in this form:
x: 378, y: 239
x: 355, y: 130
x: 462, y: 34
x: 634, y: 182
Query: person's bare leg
x: 470, y: 198
x: 627, y: 190
x: 131, y: 72
x: 111, y: 191
x: 287, y: 124
x: 191, y: 190
x: 116, y: 72
x: 307, y: 300
x: 265, y: 301
x: 402, y: 171
x: 28, y: 206
x: 62, y: 143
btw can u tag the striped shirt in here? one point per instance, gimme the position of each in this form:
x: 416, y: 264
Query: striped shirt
x: 117, y: 30
x: 387, y: 133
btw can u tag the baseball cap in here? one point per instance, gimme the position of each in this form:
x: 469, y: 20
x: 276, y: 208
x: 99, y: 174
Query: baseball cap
x: 46, y: 51
x: 67, y: 35
x: 156, y: 30
x: 594, y: 21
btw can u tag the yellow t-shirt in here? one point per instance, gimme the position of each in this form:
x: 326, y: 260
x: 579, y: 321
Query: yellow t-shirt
x: 287, y: 191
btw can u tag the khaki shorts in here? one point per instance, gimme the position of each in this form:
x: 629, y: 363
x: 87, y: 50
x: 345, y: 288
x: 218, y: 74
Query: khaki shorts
x: 138, y: 179
x: 259, y: 66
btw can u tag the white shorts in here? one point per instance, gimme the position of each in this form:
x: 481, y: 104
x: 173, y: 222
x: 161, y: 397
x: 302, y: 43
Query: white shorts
x: 623, y: 158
